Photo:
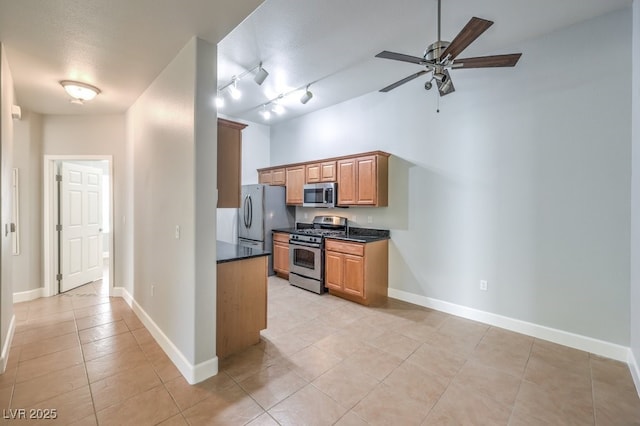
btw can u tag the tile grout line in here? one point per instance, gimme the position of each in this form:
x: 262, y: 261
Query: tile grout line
x: 86, y: 371
x: 515, y: 401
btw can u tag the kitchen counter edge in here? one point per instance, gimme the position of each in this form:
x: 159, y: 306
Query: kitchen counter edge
x: 227, y: 252
x: 355, y: 237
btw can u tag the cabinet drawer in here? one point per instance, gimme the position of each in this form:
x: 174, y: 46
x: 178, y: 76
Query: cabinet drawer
x: 356, y: 249
x: 281, y: 236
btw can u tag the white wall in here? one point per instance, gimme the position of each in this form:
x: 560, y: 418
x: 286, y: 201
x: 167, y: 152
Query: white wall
x: 27, y: 158
x: 255, y: 155
x: 635, y: 200
x: 7, y: 99
x: 173, y: 139
x: 522, y: 179
x: 163, y: 183
x: 95, y: 135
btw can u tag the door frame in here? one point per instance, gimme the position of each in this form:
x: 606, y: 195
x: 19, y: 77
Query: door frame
x: 50, y: 258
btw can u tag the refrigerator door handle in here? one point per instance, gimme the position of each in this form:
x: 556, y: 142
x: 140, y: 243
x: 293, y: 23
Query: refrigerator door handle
x: 250, y: 211
x: 246, y: 211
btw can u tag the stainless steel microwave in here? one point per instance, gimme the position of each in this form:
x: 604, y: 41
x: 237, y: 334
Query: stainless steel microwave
x: 320, y: 195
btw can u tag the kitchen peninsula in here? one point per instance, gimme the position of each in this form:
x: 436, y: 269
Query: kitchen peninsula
x: 241, y: 303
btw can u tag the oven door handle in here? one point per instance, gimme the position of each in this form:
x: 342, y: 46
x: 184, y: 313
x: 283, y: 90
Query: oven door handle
x: 297, y: 243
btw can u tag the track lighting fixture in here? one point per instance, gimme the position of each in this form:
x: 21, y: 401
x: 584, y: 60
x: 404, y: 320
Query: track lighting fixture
x: 233, y: 89
x: 266, y: 114
x: 261, y: 75
x: 219, y: 100
x: 306, y: 97
x: 232, y: 85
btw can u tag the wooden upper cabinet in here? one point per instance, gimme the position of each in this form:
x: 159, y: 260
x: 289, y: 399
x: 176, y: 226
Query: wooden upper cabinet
x: 347, y: 182
x: 295, y: 181
x: 362, y: 178
x: 279, y: 177
x: 363, y: 181
x: 265, y: 177
x: 272, y: 177
x: 321, y: 172
x: 229, y: 163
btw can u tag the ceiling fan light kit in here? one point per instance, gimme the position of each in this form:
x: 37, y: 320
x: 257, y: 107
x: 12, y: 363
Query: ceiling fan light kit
x: 439, y: 57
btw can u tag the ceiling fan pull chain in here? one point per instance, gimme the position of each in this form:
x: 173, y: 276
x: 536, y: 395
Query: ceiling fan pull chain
x: 438, y: 104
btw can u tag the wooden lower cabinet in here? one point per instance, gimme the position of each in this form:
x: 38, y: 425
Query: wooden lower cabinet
x: 281, y: 254
x: 357, y: 271
x: 241, y: 304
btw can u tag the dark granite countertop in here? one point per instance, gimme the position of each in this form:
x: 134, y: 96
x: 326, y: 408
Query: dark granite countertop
x: 356, y: 235
x: 226, y: 252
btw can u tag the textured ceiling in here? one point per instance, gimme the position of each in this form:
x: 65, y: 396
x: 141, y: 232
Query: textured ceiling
x: 118, y: 45
x: 122, y: 45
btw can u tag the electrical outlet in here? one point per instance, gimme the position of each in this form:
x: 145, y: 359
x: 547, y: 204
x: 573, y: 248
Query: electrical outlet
x: 177, y: 232
x: 369, y: 219
x: 483, y: 285
x: 306, y: 215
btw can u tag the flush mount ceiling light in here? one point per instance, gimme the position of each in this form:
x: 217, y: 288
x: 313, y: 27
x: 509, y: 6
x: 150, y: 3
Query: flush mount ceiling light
x: 80, y: 92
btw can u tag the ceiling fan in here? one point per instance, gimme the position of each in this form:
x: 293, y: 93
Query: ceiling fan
x: 441, y: 56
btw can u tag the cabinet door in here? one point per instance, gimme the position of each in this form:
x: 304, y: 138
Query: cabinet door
x: 353, y: 279
x: 313, y: 173
x: 265, y: 177
x: 333, y: 270
x: 229, y: 163
x: 366, y: 187
x: 346, y: 182
x: 328, y: 171
x: 295, y: 182
x: 278, y: 177
x: 281, y: 257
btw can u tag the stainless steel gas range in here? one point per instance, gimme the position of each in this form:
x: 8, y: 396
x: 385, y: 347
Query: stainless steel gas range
x: 306, y: 251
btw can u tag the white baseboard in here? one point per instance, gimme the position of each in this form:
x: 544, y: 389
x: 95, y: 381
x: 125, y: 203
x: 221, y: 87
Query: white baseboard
x: 192, y: 373
x: 584, y: 343
x: 122, y: 292
x: 26, y: 296
x: 635, y: 370
x: 6, y: 346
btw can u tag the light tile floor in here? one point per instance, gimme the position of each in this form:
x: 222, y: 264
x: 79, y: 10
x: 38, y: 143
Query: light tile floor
x: 322, y: 361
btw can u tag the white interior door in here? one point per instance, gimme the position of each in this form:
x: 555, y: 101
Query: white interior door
x: 81, y: 220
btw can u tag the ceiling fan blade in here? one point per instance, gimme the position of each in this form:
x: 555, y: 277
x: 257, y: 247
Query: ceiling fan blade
x: 403, y: 81
x: 446, y: 85
x: 474, y: 28
x: 488, y: 61
x: 400, y: 57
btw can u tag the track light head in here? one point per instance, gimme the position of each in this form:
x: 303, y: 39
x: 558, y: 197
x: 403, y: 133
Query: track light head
x: 233, y: 89
x: 306, y: 97
x: 261, y: 75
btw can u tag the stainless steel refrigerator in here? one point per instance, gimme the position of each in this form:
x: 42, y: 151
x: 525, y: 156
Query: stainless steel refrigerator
x: 263, y: 209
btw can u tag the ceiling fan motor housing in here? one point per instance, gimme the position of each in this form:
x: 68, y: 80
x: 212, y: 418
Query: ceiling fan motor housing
x: 434, y: 50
